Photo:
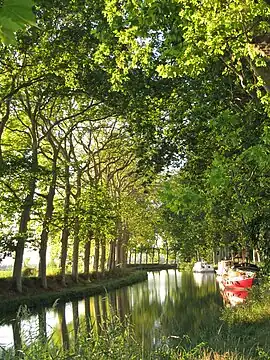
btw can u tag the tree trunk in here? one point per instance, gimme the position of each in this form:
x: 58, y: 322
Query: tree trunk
x: 24, y: 220
x: 46, y: 224
x: 119, y: 244
x: 96, y: 260
x: 167, y: 254
x: 75, y: 254
x: 111, y: 260
x: 124, y: 246
x: 103, y: 256
x: 87, y: 251
x: 75, y: 251
x: 65, y: 231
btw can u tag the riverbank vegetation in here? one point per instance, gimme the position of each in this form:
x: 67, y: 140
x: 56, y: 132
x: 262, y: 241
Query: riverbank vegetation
x: 238, y: 338
x: 35, y: 296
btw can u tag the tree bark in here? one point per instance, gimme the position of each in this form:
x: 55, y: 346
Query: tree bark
x: 65, y: 231
x: 25, y: 217
x: 103, y: 256
x: 124, y: 246
x: 111, y: 260
x: 46, y: 224
x: 119, y: 244
x: 96, y: 259
x: 75, y: 254
x: 87, y: 251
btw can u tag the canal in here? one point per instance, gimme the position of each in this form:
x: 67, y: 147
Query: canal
x: 169, y: 305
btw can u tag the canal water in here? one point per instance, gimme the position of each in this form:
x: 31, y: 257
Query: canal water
x: 169, y: 305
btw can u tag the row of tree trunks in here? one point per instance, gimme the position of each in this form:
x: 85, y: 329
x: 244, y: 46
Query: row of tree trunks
x: 153, y: 254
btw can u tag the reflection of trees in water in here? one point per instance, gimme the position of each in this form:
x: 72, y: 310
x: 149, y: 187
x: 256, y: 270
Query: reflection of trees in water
x: 123, y: 305
x: 87, y: 315
x: 97, y: 314
x: 104, y: 316
x: 63, y: 326
x: 42, y: 324
x: 191, y: 309
x: 170, y: 303
x: 75, y: 317
x: 112, y: 302
x: 17, y: 336
x: 179, y: 309
x: 145, y: 311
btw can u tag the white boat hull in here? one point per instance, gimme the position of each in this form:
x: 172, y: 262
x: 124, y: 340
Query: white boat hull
x: 202, y: 267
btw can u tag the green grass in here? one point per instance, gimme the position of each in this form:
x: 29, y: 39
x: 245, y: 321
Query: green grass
x: 115, y: 342
x: 5, y: 274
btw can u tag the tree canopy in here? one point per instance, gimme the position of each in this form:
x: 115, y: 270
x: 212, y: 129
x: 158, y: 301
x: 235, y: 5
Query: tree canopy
x: 124, y: 122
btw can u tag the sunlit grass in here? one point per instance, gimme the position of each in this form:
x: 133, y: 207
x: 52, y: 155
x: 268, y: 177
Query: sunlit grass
x: 255, y: 310
x: 5, y: 273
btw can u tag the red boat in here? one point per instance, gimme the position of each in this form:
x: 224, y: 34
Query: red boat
x: 238, y: 281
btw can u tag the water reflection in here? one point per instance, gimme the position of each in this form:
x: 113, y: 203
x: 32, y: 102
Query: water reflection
x: 169, y: 303
x: 234, y: 296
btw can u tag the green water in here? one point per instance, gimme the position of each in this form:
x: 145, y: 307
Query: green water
x: 169, y: 305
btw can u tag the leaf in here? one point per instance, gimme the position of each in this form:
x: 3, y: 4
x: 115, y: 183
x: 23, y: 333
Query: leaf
x: 14, y: 15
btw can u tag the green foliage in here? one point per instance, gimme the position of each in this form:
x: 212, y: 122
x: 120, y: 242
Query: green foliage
x: 14, y: 15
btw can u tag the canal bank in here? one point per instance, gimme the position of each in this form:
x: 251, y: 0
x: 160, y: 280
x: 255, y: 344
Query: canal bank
x: 182, y: 310
x: 37, y: 297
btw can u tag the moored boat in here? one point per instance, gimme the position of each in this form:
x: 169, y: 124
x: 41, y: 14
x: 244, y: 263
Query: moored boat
x: 238, y: 281
x: 203, y: 267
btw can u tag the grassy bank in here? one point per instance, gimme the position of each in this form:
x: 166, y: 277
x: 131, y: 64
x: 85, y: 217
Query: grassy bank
x: 243, y: 335
x: 34, y: 295
x: 115, y: 342
x: 245, y: 328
